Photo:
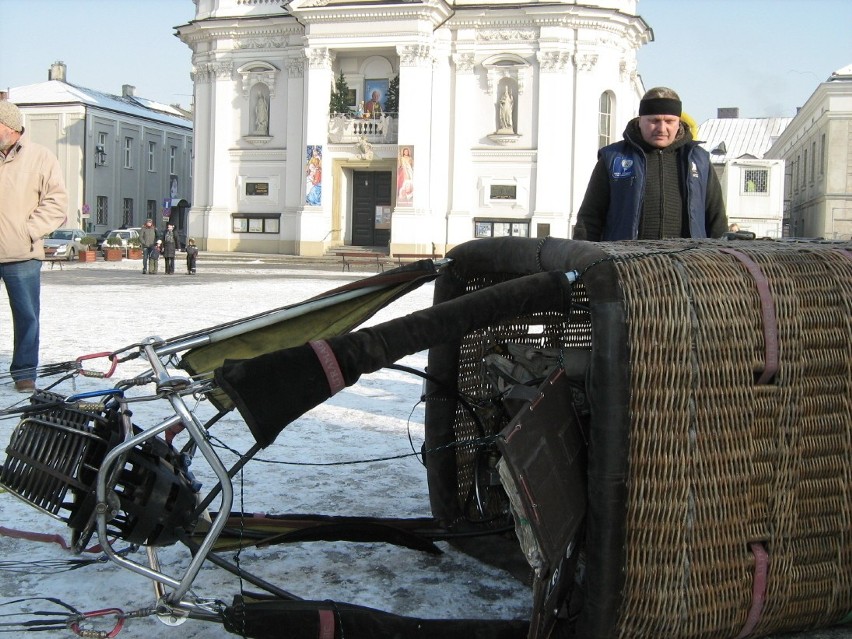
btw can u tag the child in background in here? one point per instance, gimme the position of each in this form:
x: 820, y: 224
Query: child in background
x: 154, y: 256
x: 191, y: 255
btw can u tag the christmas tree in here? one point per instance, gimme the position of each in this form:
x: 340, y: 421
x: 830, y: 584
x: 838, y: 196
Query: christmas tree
x: 339, y: 102
x: 392, y: 97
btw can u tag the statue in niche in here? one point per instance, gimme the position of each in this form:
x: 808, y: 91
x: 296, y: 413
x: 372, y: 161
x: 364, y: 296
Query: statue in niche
x: 261, y: 115
x: 506, y: 104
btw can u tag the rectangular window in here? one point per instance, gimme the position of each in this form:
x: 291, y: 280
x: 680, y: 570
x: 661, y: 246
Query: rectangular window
x: 128, y: 153
x: 822, y: 155
x: 152, y: 149
x: 755, y: 181
x: 503, y: 192
x: 151, y: 209
x: 500, y: 228
x: 100, y: 149
x: 604, y: 119
x: 257, y: 188
x: 101, y: 210
x: 127, y: 212
x: 813, y: 161
x: 805, y: 169
x: 172, y: 159
x: 255, y: 224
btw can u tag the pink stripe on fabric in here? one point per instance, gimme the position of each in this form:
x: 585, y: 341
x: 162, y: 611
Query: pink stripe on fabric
x: 326, y: 624
x: 329, y: 364
x: 758, y: 597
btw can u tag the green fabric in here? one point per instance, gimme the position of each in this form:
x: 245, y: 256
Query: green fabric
x: 323, y: 323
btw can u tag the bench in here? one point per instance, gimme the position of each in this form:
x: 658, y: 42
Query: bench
x: 362, y: 257
x: 405, y: 258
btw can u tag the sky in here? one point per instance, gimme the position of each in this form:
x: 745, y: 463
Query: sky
x: 764, y: 56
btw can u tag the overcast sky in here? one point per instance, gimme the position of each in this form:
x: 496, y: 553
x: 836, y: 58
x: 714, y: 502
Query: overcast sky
x: 764, y: 56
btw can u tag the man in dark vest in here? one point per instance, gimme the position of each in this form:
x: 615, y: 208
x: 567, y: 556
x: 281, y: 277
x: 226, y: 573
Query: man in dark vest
x: 656, y: 183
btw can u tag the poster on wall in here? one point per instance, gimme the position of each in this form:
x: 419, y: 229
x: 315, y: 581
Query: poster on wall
x: 383, y: 217
x: 375, y: 93
x: 313, y: 175
x: 405, y: 176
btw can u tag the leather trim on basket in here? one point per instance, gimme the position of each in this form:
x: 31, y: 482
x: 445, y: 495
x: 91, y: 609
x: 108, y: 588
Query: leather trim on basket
x: 770, y: 319
x: 758, y: 598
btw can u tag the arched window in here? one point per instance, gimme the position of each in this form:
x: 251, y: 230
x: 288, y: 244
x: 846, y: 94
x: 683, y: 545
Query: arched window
x: 605, y: 119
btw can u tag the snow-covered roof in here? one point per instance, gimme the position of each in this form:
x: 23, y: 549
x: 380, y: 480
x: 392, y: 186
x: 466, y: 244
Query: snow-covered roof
x: 844, y: 73
x: 58, y: 92
x: 742, y: 137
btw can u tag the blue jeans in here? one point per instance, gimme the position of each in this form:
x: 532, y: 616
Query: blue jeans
x: 23, y: 286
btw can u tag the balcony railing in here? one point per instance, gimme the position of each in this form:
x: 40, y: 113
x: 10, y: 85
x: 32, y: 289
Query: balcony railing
x: 343, y: 129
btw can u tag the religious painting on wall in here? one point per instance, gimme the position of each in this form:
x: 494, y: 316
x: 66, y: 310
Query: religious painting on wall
x: 375, y: 93
x: 405, y: 176
x: 313, y: 175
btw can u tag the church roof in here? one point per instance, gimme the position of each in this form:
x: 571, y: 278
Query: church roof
x: 58, y: 92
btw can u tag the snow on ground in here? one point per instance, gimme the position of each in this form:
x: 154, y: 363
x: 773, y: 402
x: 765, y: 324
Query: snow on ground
x: 91, y: 308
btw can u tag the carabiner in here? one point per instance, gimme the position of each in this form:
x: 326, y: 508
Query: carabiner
x: 98, y: 634
x: 85, y: 373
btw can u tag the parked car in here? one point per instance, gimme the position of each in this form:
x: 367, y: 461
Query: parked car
x: 64, y: 243
x: 123, y: 234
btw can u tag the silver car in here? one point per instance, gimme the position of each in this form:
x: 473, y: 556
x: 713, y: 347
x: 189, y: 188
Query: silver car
x: 64, y: 243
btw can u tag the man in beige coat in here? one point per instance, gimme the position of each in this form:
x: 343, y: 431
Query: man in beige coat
x: 33, y: 203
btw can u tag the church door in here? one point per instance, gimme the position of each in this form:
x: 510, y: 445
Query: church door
x: 371, y: 202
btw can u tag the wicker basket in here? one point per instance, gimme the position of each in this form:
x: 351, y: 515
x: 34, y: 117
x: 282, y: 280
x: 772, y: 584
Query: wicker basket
x: 720, y: 437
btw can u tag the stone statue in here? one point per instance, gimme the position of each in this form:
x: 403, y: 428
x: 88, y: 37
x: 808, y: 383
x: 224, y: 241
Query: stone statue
x: 506, y: 103
x: 365, y: 149
x: 261, y: 116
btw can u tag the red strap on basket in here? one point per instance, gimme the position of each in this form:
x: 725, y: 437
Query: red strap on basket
x: 770, y: 320
x: 758, y: 595
x: 326, y: 624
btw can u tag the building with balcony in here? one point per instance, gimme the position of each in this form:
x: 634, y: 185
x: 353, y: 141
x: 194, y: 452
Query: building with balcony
x: 817, y: 148
x: 124, y: 158
x: 462, y: 119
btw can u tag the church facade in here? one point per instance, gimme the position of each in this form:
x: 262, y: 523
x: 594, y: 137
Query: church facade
x: 410, y: 126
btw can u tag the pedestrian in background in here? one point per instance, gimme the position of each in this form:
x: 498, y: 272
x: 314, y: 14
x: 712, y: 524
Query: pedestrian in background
x: 153, y: 257
x: 191, y: 256
x: 170, y: 247
x: 148, y: 240
x: 655, y: 183
x: 33, y: 203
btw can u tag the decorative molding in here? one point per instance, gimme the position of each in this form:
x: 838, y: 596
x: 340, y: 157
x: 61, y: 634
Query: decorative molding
x: 550, y: 61
x: 504, y: 139
x: 257, y: 140
x: 627, y: 69
x: 296, y: 66
x: 414, y: 55
x: 260, y: 42
x: 319, y: 57
x: 506, y: 35
x: 213, y: 71
x: 512, y: 67
x: 258, y: 72
x: 465, y: 62
x: 585, y: 61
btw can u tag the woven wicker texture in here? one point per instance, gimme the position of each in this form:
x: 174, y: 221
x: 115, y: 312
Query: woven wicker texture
x: 740, y: 434
x: 719, y: 460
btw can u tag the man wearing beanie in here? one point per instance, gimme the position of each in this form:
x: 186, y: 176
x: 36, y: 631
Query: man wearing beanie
x: 655, y: 183
x: 33, y: 203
